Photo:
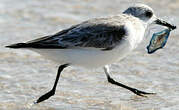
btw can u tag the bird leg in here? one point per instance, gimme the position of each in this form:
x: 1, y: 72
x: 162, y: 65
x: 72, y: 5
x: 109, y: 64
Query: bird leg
x: 112, y: 81
x: 52, y: 91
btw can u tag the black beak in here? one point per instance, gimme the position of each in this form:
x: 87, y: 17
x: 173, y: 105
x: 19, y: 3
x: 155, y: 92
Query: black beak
x: 164, y: 23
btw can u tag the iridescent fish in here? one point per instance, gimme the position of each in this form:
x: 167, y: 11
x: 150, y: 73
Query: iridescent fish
x: 158, y: 40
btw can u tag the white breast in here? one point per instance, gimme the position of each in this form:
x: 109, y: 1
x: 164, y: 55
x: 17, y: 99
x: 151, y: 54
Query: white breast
x: 136, y: 31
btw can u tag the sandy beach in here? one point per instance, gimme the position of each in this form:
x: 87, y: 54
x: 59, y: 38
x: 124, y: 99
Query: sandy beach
x: 25, y: 75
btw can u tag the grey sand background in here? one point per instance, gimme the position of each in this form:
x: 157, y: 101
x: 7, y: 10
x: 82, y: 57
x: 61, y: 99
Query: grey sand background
x: 25, y: 75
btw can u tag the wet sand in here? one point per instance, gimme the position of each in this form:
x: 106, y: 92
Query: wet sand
x: 25, y: 75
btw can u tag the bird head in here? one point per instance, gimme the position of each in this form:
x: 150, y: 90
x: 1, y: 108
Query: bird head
x: 146, y: 14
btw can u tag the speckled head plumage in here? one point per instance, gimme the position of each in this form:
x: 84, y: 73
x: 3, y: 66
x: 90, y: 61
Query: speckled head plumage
x: 141, y: 11
x: 146, y: 14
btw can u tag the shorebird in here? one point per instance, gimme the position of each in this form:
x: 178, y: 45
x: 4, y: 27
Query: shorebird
x: 97, y: 42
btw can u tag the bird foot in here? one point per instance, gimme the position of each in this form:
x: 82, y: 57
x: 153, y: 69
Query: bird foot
x: 141, y: 93
x: 45, y: 96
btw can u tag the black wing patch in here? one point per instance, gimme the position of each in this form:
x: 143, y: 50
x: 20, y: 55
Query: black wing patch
x: 104, y: 35
x: 48, y: 42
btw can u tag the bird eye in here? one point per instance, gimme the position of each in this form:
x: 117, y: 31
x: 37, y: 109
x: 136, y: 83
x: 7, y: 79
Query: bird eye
x: 149, y: 14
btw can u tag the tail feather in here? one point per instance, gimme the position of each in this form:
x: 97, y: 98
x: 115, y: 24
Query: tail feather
x: 18, y: 45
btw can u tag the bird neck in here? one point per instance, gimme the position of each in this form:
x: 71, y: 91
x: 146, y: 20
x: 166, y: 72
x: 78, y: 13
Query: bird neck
x: 129, y: 13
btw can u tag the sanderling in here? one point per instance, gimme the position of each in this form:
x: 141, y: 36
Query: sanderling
x: 96, y: 43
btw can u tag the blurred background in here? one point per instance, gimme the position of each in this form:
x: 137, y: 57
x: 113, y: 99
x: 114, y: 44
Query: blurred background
x: 25, y: 75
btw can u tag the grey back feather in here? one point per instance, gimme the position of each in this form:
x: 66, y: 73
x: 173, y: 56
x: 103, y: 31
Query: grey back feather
x: 104, y: 33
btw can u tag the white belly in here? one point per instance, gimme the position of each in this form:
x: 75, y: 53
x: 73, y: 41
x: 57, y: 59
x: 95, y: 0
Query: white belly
x: 86, y: 57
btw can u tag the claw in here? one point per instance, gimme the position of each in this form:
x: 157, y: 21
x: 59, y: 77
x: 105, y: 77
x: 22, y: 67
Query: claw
x: 141, y: 93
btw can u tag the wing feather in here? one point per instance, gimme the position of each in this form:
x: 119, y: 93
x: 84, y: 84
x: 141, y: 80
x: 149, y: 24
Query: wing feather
x: 104, y: 33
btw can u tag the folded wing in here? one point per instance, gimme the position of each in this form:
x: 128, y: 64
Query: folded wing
x: 103, y: 33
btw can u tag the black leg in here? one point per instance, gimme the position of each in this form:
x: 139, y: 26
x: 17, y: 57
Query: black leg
x: 52, y: 91
x: 112, y: 81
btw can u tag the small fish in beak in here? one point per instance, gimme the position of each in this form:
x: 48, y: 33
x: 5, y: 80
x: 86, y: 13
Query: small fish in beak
x: 159, y: 39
